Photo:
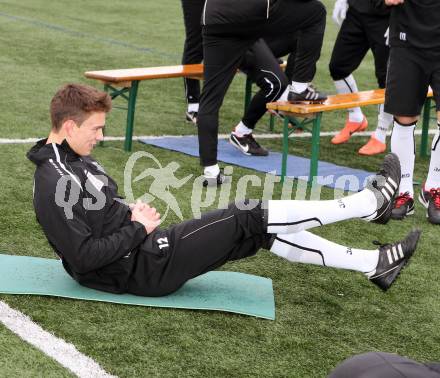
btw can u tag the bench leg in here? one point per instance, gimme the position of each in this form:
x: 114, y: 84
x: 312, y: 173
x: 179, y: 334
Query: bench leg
x: 315, y: 149
x: 285, y: 149
x: 106, y: 90
x: 130, y: 115
x: 425, y: 128
x: 271, y: 122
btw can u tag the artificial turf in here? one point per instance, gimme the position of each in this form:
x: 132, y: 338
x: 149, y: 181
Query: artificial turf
x: 323, y: 315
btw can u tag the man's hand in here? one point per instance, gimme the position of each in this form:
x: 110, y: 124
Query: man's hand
x: 340, y: 11
x: 394, y: 2
x: 148, y: 216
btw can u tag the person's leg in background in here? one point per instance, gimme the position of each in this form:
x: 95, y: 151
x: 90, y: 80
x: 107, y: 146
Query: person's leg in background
x: 222, y: 56
x: 407, y: 85
x: 430, y: 190
x: 348, y: 52
x: 308, y: 20
x: 192, y: 53
x: 261, y: 66
x: 376, y: 27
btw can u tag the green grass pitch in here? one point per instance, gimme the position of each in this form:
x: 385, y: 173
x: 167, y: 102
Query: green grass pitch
x: 323, y: 315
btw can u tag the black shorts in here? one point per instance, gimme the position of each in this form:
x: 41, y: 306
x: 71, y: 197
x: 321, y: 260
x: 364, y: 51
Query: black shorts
x: 168, y: 258
x: 360, y: 32
x: 410, y: 72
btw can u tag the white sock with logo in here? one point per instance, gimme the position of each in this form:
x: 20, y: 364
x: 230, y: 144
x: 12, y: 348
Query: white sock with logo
x: 285, y: 217
x: 193, y: 108
x: 298, y: 87
x: 211, y: 171
x: 305, y: 247
x: 241, y: 129
x: 433, y: 179
x: 384, y: 120
x: 348, y: 85
x: 403, y: 145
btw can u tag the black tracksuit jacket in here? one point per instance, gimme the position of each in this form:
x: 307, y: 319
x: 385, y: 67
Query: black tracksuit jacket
x: 415, y: 23
x: 94, y: 235
x: 367, y: 7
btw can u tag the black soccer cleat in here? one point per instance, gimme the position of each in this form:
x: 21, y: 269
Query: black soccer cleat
x: 309, y: 95
x: 402, y: 207
x: 216, y: 181
x: 385, y: 186
x: 248, y: 145
x: 392, y: 259
x: 430, y: 199
x: 191, y: 117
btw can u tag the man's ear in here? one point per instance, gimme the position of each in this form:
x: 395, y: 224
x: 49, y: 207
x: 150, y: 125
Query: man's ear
x: 68, y: 126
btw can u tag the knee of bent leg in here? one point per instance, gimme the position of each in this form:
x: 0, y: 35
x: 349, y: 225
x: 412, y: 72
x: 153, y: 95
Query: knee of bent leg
x: 273, y: 85
x: 337, y: 72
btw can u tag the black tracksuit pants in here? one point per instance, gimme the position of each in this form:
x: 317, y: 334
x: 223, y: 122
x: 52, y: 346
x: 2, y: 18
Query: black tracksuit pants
x: 224, y: 49
x: 360, y: 32
x: 193, y: 48
x: 169, y: 258
x: 258, y: 64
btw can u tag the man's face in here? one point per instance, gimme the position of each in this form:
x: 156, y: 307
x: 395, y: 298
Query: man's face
x: 83, y: 138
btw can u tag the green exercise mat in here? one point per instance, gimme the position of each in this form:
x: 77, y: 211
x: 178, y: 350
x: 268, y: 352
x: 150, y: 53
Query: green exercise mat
x: 218, y: 290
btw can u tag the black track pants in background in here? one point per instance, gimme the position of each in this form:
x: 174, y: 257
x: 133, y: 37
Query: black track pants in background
x: 224, y: 49
x: 360, y: 32
x: 193, y: 48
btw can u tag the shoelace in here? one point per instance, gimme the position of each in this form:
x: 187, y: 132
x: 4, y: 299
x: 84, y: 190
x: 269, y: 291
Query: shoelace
x: 402, y: 199
x: 435, y: 195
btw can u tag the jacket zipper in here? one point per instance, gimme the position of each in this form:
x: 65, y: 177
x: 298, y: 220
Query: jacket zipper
x: 268, y: 5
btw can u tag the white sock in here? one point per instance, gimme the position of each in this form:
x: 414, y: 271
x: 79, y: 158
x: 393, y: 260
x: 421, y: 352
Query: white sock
x: 284, y: 95
x: 402, y: 144
x: 433, y: 180
x: 193, y: 108
x: 241, y: 129
x: 211, y: 171
x: 384, y: 120
x: 285, y: 217
x: 305, y: 247
x: 298, y: 87
x: 348, y: 85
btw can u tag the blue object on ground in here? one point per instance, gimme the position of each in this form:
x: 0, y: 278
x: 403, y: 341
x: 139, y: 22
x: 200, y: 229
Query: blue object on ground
x: 218, y: 290
x: 331, y: 175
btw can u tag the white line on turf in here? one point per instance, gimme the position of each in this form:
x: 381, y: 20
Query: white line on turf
x: 221, y: 136
x: 64, y: 353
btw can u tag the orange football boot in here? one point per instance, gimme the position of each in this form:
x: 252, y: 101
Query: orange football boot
x: 373, y: 147
x: 349, y: 129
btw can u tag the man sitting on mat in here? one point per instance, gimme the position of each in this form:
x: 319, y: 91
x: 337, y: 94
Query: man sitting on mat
x: 107, y: 245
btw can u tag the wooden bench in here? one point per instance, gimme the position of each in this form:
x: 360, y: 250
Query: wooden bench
x: 302, y: 115
x: 125, y: 83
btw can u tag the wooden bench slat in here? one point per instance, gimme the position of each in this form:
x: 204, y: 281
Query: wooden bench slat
x: 335, y: 102
x: 148, y: 73
x: 193, y: 71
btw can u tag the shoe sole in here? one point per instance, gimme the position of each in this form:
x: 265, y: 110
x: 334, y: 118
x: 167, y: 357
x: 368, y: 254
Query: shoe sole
x: 307, y: 102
